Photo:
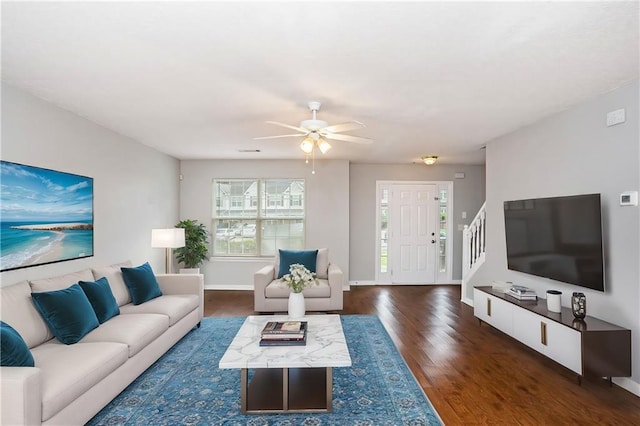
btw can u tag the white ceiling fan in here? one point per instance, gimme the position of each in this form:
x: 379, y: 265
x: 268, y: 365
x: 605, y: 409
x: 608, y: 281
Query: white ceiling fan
x: 316, y: 131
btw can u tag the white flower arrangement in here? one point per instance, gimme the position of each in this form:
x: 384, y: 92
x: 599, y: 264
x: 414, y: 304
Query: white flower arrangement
x: 299, y: 278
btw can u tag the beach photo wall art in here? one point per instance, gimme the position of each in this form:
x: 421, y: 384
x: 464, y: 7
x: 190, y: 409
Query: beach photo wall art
x: 46, y: 216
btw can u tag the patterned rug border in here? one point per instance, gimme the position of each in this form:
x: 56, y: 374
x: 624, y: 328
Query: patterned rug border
x: 185, y: 386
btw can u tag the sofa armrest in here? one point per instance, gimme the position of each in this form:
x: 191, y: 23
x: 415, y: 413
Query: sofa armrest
x: 336, y: 280
x: 183, y: 284
x: 261, y: 279
x: 21, y: 396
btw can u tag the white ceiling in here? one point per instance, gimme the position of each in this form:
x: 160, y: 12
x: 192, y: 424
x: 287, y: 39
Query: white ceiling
x: 197, y: 80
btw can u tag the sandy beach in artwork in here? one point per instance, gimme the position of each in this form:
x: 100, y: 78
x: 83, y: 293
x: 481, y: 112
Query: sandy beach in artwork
x: 55, y: 227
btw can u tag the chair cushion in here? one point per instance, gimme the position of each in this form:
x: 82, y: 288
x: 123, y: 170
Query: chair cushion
x: 17, y: 308
x: 101, y: 298
x: 69, y: 371
x: 134, y: 330
x: 303, y: 257
x: 278, y: 289
x: 68, y: 313
x: 142, y: 283
x: 175, y: 306
x: 14, y: 352
x: 114, y: 275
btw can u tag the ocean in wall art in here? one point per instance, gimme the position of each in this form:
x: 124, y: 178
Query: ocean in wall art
x: 46, y: 216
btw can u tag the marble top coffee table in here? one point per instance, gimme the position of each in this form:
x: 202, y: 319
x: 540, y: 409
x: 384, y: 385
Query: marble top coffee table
x: 288, y: 378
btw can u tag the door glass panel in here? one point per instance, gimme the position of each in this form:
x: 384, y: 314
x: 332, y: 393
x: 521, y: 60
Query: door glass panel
x: 384, y: 230
x: 442, y: 225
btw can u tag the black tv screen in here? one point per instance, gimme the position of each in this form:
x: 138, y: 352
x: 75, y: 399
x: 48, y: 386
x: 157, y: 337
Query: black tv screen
x: 558, y: 238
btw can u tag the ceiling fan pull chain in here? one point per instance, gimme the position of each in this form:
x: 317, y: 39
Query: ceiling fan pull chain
x: 313, y: 162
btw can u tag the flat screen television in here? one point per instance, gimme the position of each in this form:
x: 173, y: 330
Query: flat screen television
x: 558, y: 238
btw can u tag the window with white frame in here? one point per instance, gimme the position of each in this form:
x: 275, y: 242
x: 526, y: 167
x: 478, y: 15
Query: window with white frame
x: 256, y: 217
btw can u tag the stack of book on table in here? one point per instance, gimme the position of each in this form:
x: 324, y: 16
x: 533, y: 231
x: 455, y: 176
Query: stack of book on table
x: 284, y: 333
x: 522, y: 293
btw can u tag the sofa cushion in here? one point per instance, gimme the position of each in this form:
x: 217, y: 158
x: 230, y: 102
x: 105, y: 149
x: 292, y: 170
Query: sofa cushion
x: 68, y: 371
x: 68, y: 313
x: 303, y: 257
x: 101, y: 298
x: 134, y: 330
x: 61, y: 282
x: 278, y: 289
x: 14, y: 352
x: 175, y: 306
x: 114, y: 275
x: 322, y: 264
x: 142, y: 283
x: 17, y: 308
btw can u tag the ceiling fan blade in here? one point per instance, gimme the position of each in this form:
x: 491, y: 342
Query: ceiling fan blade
x: 288, y: 126
x: 347, y: 138
x: 343, y: 127
x: 280, y: 136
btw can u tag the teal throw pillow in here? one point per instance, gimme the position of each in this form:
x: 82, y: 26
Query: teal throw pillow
x: 101, y: 298
x: 303, y: 257
x: 14, y: 352
x: 68, y: 313
x: 141, y: 283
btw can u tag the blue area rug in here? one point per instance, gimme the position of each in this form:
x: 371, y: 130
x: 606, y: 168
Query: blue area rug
x: 186, y: 387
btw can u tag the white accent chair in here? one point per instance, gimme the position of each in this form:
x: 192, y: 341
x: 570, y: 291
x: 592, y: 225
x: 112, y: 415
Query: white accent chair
x: 272, y: 294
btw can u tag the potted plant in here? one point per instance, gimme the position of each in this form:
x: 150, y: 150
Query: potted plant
x: 196, y: 247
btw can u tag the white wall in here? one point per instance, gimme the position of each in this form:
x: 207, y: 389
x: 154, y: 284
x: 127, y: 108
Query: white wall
x: 468, y: 196
x: 574, y: 152
x: 327, y: 214
x: 135, y: 187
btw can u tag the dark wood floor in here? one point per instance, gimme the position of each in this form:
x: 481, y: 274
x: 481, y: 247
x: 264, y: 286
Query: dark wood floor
x: 472, y: 374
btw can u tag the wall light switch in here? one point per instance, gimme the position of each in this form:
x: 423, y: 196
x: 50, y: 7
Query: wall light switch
x: 615, y: 117
x: 464, y: 215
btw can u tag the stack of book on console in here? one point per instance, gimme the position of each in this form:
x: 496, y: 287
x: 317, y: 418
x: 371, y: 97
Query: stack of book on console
x: 522, y: 293
x: 284, y: 333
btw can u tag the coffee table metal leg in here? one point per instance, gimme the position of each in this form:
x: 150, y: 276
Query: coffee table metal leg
x: 285, y: 389
x: 329, y: 389
x: 243, y: 390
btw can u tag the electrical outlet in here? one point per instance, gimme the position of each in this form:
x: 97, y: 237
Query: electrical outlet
x: 615, y: 117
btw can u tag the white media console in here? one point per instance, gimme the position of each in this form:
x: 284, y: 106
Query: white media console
x: 588, y: 346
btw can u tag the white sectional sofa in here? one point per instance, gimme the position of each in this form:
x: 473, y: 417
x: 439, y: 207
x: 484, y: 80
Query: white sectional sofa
x: 69, y: 384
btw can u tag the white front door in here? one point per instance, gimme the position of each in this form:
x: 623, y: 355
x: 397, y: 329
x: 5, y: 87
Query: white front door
x: 412, y: 238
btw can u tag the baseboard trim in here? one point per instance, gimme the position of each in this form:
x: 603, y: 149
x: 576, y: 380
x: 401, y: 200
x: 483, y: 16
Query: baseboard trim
x: 627, y: 384
x: 467, y: 301
x: 228, y: 287
x: 359, y: 282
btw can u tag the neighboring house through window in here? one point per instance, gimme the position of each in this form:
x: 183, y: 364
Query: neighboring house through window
x: 256, y: 217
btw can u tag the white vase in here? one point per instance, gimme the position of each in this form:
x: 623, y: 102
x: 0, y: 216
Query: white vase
x: 296, y: 305
x: 189, y: 270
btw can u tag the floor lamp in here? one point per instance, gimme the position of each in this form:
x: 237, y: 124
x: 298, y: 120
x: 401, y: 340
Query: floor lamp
x: 167, y: 239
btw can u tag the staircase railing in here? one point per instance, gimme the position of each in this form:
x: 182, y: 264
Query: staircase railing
x: 473, y: 245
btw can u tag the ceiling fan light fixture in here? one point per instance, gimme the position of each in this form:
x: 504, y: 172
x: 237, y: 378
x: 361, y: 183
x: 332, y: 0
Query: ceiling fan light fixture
x: 324, y: 146
x: 307, y: 145
x: 430, y: 160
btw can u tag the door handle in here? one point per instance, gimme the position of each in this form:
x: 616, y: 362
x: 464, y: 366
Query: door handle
x: 433, y: 241
x: 543, y: 333
x: 488, y: 307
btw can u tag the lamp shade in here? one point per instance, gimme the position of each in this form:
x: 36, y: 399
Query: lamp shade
x: 167, y: 238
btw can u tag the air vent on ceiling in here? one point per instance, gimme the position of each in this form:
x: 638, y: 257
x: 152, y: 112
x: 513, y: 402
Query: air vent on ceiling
x: 248, y: 150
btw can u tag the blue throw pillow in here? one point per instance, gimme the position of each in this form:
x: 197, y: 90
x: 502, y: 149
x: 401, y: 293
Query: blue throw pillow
x: 141, y: 283
x: 303, y: 257
x: 68, y: 313
x: 101, y: 298
x: 14, y: 352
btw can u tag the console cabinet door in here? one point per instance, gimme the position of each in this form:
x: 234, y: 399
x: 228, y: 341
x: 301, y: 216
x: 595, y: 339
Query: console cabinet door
x: 529, y: 329
x: 564, y: 346
x: 493, y: 311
